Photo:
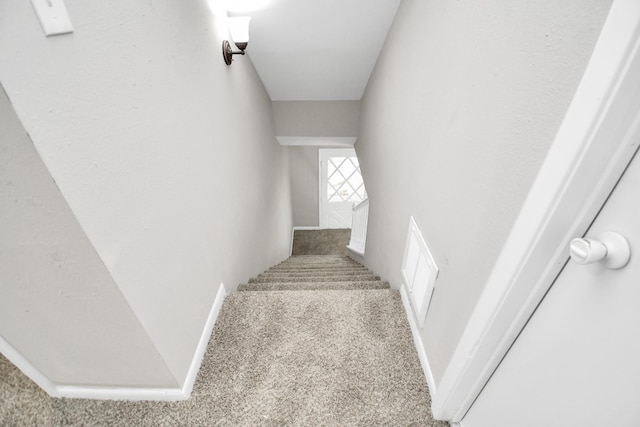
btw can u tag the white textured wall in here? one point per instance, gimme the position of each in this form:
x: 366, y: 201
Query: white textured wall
x: 459, y: 112
x: 312, y: 119
x: 316, y: 118
x: 54, y: 289
x: 305, y: 186
x: 165, y: 155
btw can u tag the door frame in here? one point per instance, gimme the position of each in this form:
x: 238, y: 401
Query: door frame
x: 595, y: 142
x: 322, y: 191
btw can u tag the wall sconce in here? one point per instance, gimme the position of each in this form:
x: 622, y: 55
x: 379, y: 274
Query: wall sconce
x: 239, y: 29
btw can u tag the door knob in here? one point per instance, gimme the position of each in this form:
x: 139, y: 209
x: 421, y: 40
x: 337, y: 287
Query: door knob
x: 609, y: 247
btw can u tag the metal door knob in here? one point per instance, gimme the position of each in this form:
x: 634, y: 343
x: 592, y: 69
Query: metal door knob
x: 610, y: 247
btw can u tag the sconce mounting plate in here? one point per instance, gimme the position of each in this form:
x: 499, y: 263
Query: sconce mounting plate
x: 227, y: 53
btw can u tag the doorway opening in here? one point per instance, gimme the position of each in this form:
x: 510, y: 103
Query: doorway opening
x: 341, y: 187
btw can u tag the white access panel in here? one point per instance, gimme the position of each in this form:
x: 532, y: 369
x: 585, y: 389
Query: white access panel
x: 419, y: 271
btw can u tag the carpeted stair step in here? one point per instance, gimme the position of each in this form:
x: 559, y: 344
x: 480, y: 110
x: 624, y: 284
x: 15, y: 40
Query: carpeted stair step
x: 315, y: 358
x: 313, y: 286
x: 312, y: 270
x: 331, y: 358
x: 363, y: 277
x: 324, y: 273
x: 316, y: 264
x: 320, y: 258
x: 317, y: 260
x: 321, y: 342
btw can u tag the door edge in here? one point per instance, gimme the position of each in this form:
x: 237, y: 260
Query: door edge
x: 589, y: 153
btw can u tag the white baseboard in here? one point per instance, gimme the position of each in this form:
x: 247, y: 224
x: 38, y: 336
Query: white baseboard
x: 355, y: 251
x: 124, y: 393
x: 204, y: 341
x: 356, y: 256
x: 417, y: 341
x: 293, y: 230
x: 120, y: 393
x: 27, y: 368
x: 85, y: 392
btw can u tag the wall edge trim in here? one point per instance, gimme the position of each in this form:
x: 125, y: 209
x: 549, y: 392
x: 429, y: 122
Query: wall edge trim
x: 15, y: 357
x: 198, y: 356
x: 588, y: 155
x: 355, y: 251
x: 316, y: 141
x: 417, y: 340
x: 120, y: 393
x: 302, y: 227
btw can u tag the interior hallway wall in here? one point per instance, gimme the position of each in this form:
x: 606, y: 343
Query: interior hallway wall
x: 312, y: 121
x: 44, y: 258
x: 166, y: 157
x: 305, y: 186
x: 316, y: 118
x: 461, y: 108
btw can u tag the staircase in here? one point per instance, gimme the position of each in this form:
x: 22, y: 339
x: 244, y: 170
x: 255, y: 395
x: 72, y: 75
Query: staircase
x: 315, y: 272
x: 314, y: 340
x: 330, y: 344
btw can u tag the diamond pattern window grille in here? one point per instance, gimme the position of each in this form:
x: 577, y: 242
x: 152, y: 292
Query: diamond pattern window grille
x: 345, y: 182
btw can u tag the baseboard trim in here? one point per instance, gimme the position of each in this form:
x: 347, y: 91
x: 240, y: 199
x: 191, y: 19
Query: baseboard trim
x: 124, y: 393
x: 417, y: 341
x: 293, y: 230
x: 27, y: 368
x: 85, y: 392
x: 120, y: 393
x: 204, y: 341
x: 158, y: 394
x: 355, y: 251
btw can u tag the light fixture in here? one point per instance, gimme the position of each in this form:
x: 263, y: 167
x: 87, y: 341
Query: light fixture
x: 239, y: 29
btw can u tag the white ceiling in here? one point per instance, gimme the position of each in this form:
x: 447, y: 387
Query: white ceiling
x: 315, y: 49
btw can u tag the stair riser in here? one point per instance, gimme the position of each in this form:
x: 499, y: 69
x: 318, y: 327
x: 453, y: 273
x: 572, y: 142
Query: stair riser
x: 318, y: 271
x: 314, y: 279
x: 317, y: 265
x: 319, y: 286
x: 316, y: 274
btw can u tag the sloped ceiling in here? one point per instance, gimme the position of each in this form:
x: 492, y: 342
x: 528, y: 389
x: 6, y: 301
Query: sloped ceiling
x: 315, y: 49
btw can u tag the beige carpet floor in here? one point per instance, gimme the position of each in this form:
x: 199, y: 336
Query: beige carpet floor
x: 319, y: 357
x: 329, y: 241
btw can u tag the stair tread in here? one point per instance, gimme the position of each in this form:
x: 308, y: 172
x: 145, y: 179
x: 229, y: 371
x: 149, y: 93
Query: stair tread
x: 316, y: 273
x: 320, y: 273
x: 319, y: 294
x: 312, y: 286
x: 322, y: 281
x: 313, y: 262
x: 312, y: 270
x: 368, y: 277
x: 317, y: 265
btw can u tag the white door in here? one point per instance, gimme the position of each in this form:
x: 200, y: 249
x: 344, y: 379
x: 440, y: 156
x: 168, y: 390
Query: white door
x: 577, y: 361
x: 341, y: 187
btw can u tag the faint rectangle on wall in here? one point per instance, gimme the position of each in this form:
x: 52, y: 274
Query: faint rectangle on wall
x: 419, y: 271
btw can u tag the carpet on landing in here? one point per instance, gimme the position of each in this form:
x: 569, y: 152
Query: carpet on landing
x: 330, y: 241
x: 327, y: 357
x: 305, y: 352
